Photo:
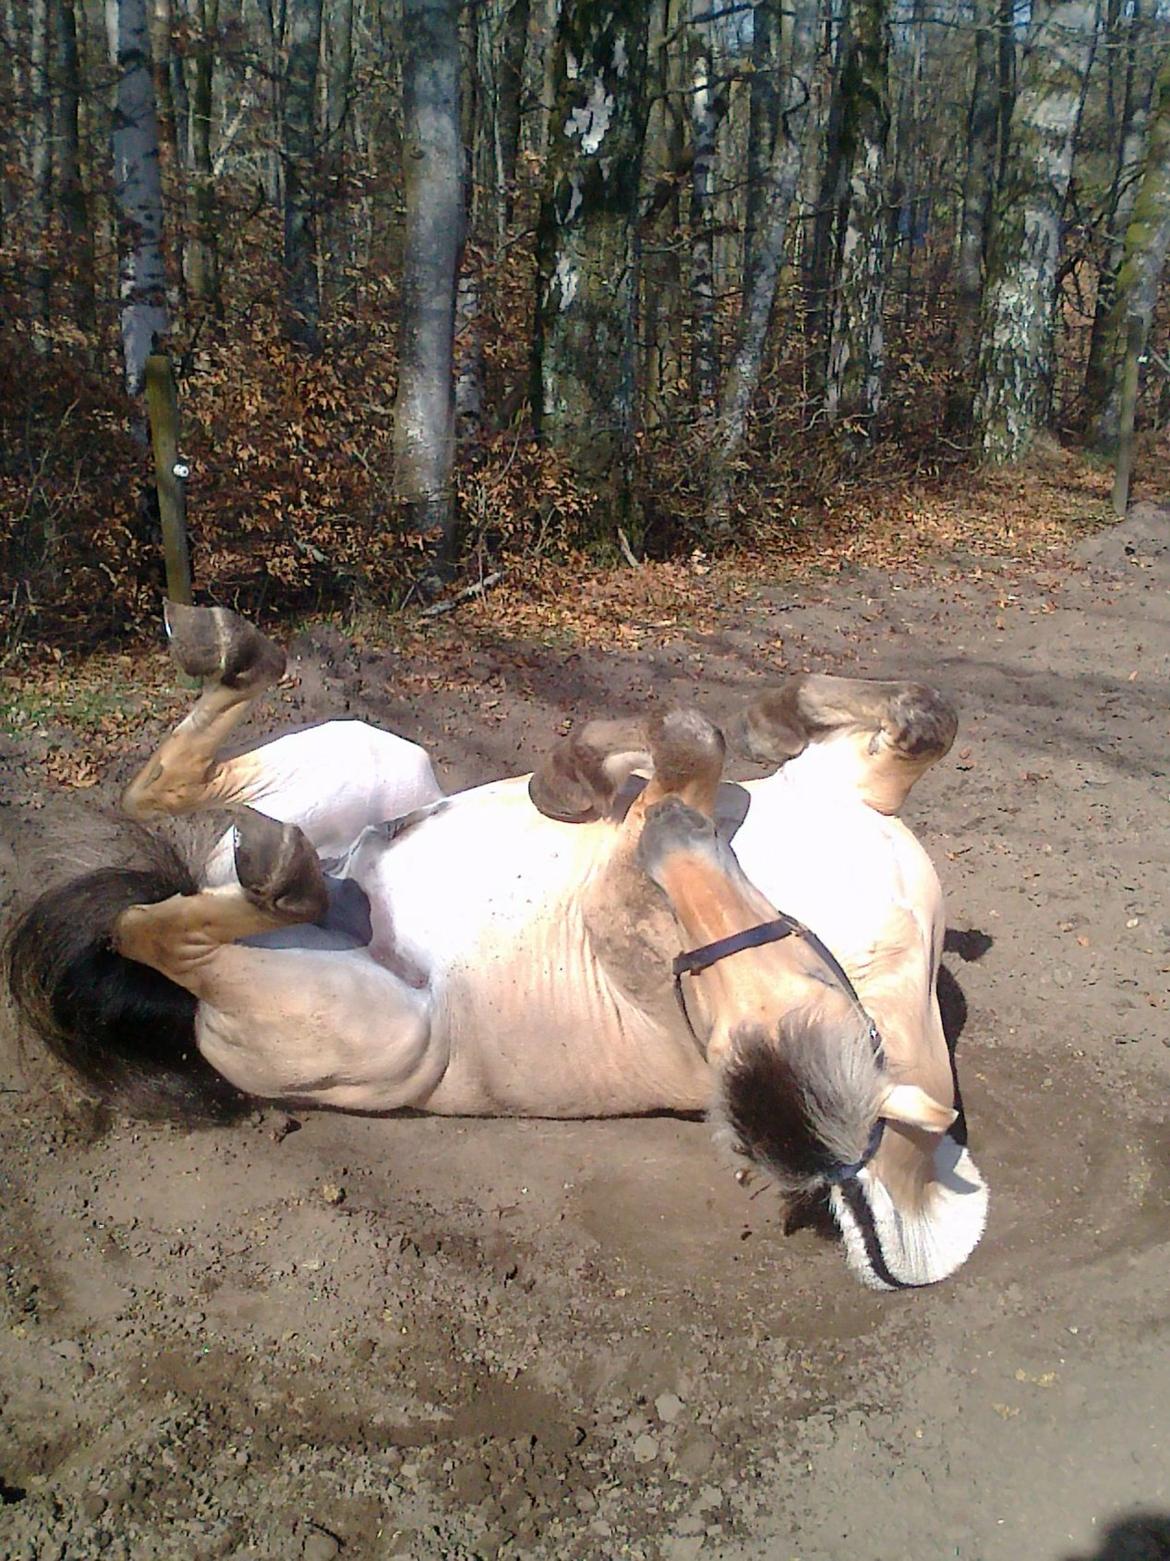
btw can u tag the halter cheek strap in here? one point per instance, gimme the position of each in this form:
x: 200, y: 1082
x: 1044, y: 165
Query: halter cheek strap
x: 696, y: 960
x: 753, y: 938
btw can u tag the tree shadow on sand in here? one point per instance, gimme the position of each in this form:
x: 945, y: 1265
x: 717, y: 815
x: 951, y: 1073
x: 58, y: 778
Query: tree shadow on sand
x: 1143, y: 1536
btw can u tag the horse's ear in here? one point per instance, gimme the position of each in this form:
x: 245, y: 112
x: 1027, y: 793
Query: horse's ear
x: 580, y: 778
x: 913, y: 1106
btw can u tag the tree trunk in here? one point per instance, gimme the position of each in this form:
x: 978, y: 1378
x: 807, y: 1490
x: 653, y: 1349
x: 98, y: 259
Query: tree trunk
x: 41, y: 168
x: 337, y: 219
x: 1104, y: 347
x: 905, y: 201
x: 203, y: 281
x: 743, y: 375
x: 829, y: 207
x: 764, y: 117
x: 433, y: 168
x: 1140, y: 273
x: 978, y: 190
x: 666, y: 161
x: 1006, y: 73
x: 72, y: 203
x: 13, y: 61
x: 501, y: 38
x: 496, y: 73
x: 853, y: 385
x: 704, y: 116
x: 165, y: 63
x: 587, y: 243
x: 137, y: 195
x: 1016, y: 354
x: 299, y: 155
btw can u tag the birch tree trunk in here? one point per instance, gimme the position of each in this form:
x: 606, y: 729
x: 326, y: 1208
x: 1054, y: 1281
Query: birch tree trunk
x: 1104, y: 347
x: 137, y: 194
x: 299, y: 155
x: 1016, y: 355
x: 1136, y: 291
x: 743, y: 375
x: 203, y: 280
x: 587, y: 243
x: 424, y: 429
x: 704, y: 116
x: 853, y: 387
x: 978, y: 190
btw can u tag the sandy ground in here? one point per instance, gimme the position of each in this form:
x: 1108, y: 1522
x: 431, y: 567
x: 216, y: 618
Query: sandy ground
x: 584, y: 1339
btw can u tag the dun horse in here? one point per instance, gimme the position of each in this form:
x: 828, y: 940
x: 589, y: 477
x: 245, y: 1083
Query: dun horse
x: 580, y: 942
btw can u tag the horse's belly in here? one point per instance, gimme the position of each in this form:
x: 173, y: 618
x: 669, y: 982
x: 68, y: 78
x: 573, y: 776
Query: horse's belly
x: 833, y: 863
x: 557, y: 1044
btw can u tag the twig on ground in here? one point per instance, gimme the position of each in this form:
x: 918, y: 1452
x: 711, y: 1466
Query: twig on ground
x: 450, y: 605
x: 627, y: 551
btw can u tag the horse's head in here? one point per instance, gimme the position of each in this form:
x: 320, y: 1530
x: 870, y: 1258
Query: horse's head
x: 803, y: 1087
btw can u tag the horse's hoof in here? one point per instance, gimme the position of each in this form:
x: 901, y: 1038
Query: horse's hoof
x: 920, y: 722
x: 216, y: 644
x: 278, y: 868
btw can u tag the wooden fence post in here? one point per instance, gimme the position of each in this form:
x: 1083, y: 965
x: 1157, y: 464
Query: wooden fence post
x: 162, y: 409
x: 1135, y: 341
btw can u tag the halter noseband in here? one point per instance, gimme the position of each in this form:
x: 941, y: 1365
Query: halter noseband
x: 696, y: 960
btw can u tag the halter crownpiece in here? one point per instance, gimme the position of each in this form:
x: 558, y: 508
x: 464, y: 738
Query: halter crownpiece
x: 692, y: 962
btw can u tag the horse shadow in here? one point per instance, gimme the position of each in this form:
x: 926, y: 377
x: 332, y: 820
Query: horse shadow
x: 1142, y: 1536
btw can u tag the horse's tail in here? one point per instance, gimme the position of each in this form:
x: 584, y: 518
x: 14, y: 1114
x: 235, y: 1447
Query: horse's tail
x: 803, y: 1105
x: 125, y: 1032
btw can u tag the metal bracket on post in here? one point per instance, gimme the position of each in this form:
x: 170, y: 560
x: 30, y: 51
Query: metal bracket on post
x: 170, y: 472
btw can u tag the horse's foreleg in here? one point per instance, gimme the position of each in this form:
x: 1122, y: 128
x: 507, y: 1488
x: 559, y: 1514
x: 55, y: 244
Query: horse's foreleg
x: 236, y: 663
x: 331, y: 1027
x: 280, y: 884
x: 885, y: 734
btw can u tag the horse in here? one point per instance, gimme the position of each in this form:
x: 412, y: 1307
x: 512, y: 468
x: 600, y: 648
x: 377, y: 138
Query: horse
x: 598, y: 938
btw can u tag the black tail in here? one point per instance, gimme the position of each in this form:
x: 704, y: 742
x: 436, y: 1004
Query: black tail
x: 124, y: 1031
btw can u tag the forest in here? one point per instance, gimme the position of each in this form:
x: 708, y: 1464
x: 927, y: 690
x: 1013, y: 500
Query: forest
x: 448, y: 290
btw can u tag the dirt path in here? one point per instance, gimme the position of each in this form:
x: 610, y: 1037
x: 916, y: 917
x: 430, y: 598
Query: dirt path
x: 584, y: 1340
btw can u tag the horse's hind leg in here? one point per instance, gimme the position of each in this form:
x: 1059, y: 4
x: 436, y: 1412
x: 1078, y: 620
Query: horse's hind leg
x: 237, y: 663
x: 330, y: 780
x: 885, y: 734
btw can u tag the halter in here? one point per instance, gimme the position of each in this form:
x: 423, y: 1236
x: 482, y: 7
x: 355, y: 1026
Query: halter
x: 696, y: 960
